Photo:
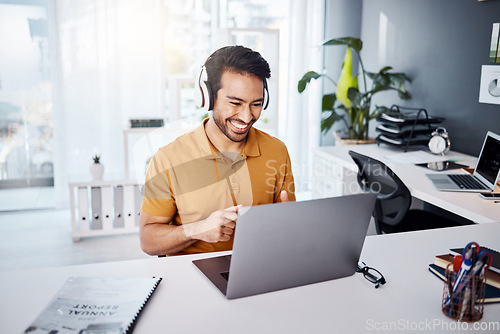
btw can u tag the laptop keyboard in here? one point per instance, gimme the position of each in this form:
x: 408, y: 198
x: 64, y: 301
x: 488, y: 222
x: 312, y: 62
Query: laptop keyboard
x: 466, y: 182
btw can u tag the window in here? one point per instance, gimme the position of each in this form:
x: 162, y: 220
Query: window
x: 26, y: 154
x: 194, y: 29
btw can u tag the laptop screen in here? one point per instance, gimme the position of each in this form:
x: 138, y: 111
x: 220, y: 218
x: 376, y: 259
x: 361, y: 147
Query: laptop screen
x: 488, y: 165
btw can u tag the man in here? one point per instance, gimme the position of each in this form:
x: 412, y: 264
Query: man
x: 196, y: 184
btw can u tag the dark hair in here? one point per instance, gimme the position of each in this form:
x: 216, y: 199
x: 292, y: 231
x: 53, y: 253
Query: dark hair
x: 238, y: 59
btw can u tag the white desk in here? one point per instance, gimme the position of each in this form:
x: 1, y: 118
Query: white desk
x: 467, y: 205
x: 186, y: 302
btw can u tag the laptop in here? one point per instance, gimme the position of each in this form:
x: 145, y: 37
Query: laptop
x: 485, y: 174
x: 285, y: 245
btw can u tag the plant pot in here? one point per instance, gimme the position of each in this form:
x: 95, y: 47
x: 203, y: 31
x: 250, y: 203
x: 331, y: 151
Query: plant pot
x: 97, y: 171
x: 347, y: 141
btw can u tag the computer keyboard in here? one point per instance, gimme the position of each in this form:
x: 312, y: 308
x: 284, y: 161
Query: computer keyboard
x: 466, y: 182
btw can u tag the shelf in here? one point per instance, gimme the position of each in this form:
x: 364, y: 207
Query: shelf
x: 101, y: 208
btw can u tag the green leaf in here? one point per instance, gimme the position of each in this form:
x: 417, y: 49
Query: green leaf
x: 403, y: 94
x: 306, y: 78
x: 328, y: 101
x: 384, y: 80
x: 353, y: 94
x: 327, y: 122
x: 352, y: 42
x: 398, y: 81
x: 385, y: 69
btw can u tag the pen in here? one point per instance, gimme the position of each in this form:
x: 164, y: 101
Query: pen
x: 496, y: 201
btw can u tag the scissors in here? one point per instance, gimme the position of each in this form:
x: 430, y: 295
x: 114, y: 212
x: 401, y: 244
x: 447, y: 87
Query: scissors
x: 471, y: 259
x: 469, y: 253
x: 473, y: 262
x: 483, y: 262
x: 475, y: 256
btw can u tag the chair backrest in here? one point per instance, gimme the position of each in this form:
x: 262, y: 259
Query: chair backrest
x: 393, y: 197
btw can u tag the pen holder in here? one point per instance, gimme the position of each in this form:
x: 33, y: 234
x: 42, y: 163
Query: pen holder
x: 467, y: 303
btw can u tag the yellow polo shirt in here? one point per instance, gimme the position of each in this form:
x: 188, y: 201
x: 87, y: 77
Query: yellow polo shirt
x: 189, y: 179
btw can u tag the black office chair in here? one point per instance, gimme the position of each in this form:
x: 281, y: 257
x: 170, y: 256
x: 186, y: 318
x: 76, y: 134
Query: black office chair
x: 392, y: 212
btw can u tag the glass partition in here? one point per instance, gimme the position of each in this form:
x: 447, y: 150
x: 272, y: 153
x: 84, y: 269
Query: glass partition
x: 26, y: 124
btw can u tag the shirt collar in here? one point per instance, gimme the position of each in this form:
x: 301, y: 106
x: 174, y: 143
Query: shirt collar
x: 251, y: 148
x: 204, y: 144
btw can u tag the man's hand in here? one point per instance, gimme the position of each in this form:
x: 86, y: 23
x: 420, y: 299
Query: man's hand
x: 219, y: 226
x: 158, y: 237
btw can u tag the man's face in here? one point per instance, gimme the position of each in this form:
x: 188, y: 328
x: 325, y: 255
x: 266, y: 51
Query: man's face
x: 238, y: 104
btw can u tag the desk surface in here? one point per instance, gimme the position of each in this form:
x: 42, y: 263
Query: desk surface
x: 468, y: 205
x: 186, y: 302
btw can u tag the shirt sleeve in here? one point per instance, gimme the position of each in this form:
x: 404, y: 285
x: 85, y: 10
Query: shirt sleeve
x: 157, y: 199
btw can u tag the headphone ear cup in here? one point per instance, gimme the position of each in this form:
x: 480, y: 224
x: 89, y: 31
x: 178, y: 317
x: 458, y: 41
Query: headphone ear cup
x: 207, y: 94
x: 198, y: 91
x: 202, y: 91
x: 265, y: 103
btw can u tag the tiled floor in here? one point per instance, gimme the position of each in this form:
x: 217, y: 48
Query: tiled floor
x: 26, y: 198
x: 42, y: 238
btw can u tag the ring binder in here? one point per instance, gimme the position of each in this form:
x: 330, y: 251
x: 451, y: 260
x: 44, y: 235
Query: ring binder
x: 95, y: 195
x: 107, y: 214
x: 118, y: 205
x: 81, y: 305
x: 83, y: 209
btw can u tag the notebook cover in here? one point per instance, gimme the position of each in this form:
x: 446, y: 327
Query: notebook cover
x: 93, y: 304
x: 495, y: 264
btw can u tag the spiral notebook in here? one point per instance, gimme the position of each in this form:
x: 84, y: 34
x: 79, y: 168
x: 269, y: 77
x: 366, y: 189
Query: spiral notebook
x: 95, y: 305
x: 495, y: 264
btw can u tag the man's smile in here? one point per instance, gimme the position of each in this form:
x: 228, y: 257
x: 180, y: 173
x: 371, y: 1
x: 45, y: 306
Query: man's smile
x: 240, y: 127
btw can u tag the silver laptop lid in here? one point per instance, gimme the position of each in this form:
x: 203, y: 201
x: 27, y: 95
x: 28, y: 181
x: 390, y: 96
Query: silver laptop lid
x: 284, y: 245
x: 488, y: 164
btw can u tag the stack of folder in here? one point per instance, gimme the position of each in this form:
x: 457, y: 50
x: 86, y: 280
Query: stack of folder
x: 401, y: 129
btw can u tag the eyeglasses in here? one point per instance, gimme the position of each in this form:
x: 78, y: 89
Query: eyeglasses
x: 371, y: 274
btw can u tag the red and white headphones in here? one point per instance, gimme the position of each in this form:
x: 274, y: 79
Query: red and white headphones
x: 203, y: 92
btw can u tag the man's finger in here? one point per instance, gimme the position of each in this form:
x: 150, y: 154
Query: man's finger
x: 227, y: 230
x: 230, y: 215
x: 231, y: 224
x: 284, y: 196
x: 234, y: 208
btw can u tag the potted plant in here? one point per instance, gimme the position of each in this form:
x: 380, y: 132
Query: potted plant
x: 348, y: 103
x: 96, y: 168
